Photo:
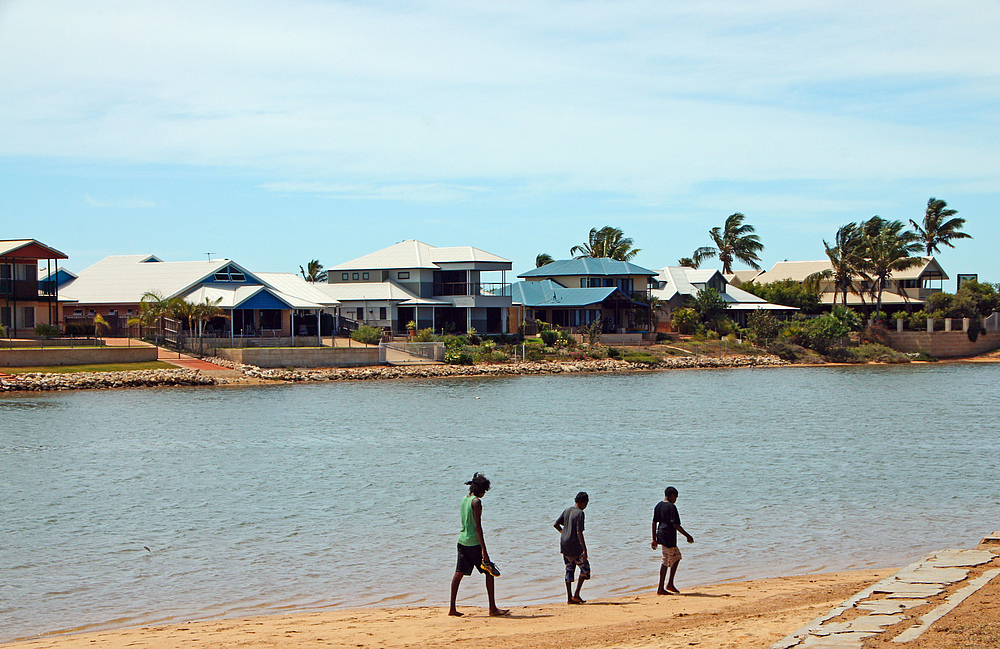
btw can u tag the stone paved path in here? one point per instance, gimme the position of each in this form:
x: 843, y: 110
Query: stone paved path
x: 884, y: 605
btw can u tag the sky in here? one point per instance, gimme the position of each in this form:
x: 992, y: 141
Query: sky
x: 276, y: 133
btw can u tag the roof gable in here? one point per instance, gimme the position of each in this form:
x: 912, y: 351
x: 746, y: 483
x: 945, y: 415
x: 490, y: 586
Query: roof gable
x: 28, y: 249
x: 417, y: 254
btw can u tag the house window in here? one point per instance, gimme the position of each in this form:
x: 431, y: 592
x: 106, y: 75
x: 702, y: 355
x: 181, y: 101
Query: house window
x: 354, y: 276
x: 364, y: 275
x: 91, y: 312
x: 403, y: 274
x: 77, y: 311
x: 344, y: 276
x: 381, y: 313
x: 360, y: 313
x: 128, y: 312
x: 112, y: 311
x: 625, y: 284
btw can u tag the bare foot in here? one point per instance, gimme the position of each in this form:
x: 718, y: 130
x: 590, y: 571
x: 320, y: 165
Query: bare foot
x: 576, y: 600
x: 662, y: 592
x: 500, y: 612
x: 455, y: 613
x: 673, y: 590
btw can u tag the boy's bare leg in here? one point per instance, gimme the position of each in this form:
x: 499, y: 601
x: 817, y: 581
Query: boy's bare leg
x: 569, y: 592
x: 670, y: 582
x: 455, y: 581
x: 576, y: 597
x: 663, y: 577
x: 494, y: 611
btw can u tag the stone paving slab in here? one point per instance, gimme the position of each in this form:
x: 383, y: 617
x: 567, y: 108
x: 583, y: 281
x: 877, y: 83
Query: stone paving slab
x: 904, y: 590
x: 890, y: 606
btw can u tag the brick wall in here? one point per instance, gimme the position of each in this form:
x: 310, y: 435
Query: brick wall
x: 944, y: 344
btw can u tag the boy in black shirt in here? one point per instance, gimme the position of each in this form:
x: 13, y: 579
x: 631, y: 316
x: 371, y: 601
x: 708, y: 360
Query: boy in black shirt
x: 573, y: 546
x: 666, y: 524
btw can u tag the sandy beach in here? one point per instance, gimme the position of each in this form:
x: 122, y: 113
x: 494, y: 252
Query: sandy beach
x: 737, y: 614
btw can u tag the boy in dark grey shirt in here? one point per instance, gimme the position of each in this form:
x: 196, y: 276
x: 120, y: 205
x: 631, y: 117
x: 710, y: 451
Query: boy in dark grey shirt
x: 573, y: 546
x: 666, y: 525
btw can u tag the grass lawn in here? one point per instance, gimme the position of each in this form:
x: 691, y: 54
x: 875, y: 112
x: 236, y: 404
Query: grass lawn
x: 105, y: 367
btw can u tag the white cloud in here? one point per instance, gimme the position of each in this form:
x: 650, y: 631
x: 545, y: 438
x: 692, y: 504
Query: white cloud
x: 642, y: 99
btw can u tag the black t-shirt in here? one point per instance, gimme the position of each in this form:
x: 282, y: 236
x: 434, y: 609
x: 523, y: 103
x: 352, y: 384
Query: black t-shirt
x: 665, y: 516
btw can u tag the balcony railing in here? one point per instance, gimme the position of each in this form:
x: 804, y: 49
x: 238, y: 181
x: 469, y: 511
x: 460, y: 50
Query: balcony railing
x: 494, y: 289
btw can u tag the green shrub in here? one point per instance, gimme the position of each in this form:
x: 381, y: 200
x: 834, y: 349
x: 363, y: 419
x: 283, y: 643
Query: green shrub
x: 762, y: 326
x: 875, y: 352
x: 614, y: 352
x: 367, y: 335
x: 875, y: 334
x: 664, y: 338
x: 785, y: 351
x: 924, y: 356
x: 458, y: 355
x: 549, y: 337
x: 640, y: 357
x: 532, y: 353
x: 824, y: 331
x: 424, y: 336
x: 46, y: 330
x: 685, y: 320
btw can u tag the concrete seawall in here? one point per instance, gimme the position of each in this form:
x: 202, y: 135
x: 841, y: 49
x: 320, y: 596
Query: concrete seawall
x: 45, y: 357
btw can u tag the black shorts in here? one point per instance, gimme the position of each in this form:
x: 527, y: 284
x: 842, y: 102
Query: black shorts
x: 469, y: 557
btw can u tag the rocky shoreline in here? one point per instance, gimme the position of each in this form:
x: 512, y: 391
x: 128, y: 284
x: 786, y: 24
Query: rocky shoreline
x: 184, y: 377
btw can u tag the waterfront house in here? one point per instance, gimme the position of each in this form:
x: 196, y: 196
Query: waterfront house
x: 909, y: 288
x: 576, y: 292
x: 26, y: 300
x: 264, y: 305
x: 677, y: 285
x: 445, y: 289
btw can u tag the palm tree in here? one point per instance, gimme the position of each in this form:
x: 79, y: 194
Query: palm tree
x: 152, y: 307
x: 887, y: 248
x: 939, y: 228
x: 202, y: 312
x: 844, y: 259
x: 543, y: 259
x: 736, y: 240
x: 607, y: 242
x: 99, y: 324
x: 313, y: 272
x: 700, y: 255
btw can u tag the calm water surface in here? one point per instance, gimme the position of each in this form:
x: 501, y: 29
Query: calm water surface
x: 258, y: 500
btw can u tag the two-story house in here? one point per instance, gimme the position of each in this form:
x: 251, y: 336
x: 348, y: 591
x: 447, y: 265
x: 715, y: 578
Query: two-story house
x: 26, y: 300
x: 576, y: 292
x: 906, y: 288
x: 446, y: 289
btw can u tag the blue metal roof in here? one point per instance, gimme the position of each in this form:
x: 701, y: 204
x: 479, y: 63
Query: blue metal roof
x: 551, y: 294
x: 588, y: 266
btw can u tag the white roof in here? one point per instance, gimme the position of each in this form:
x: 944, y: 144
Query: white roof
x: 417, y: 254
x: 374, y: 291
x: 123, y: 279
x: 800, y: 270
x: 293, y: 284
x: 681, y: 280
x: 231, y: 297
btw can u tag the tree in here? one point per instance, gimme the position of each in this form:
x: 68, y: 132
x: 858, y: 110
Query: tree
x: 202, y: 312
x: 100, y: 324
x: 888, y: 248
x: 313, y: 272
x: 845, y: 258
x: 736, y: 240
x: 710, y: 306
x: 152, y: 307
x: 939, y: 228
x: 700, y: 255
x: 607, y: 242
x: 786, y: 292
x: 543, y: 259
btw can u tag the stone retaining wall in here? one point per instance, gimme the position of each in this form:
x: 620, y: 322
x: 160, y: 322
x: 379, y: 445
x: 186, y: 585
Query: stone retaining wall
x: 302, y: 357
x: 45, y: 357
x: 506, y: 369
x: 943, y: 344
x: 37, y: 381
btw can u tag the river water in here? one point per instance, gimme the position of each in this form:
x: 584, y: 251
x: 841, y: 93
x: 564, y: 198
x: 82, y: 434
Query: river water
x: 261, y: 500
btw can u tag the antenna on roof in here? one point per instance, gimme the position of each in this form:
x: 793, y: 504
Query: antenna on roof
x: 210, y: 255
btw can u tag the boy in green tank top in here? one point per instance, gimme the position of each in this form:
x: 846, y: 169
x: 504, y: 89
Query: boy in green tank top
x: 472, y: 544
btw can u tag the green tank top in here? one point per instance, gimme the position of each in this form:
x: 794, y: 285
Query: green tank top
x: 468, y: 535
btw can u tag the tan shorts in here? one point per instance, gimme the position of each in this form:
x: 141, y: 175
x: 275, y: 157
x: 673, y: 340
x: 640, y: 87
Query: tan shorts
x: 670, y: 555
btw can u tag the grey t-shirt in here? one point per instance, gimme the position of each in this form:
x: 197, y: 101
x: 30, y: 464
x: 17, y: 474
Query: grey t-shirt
x: 571, y: 521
